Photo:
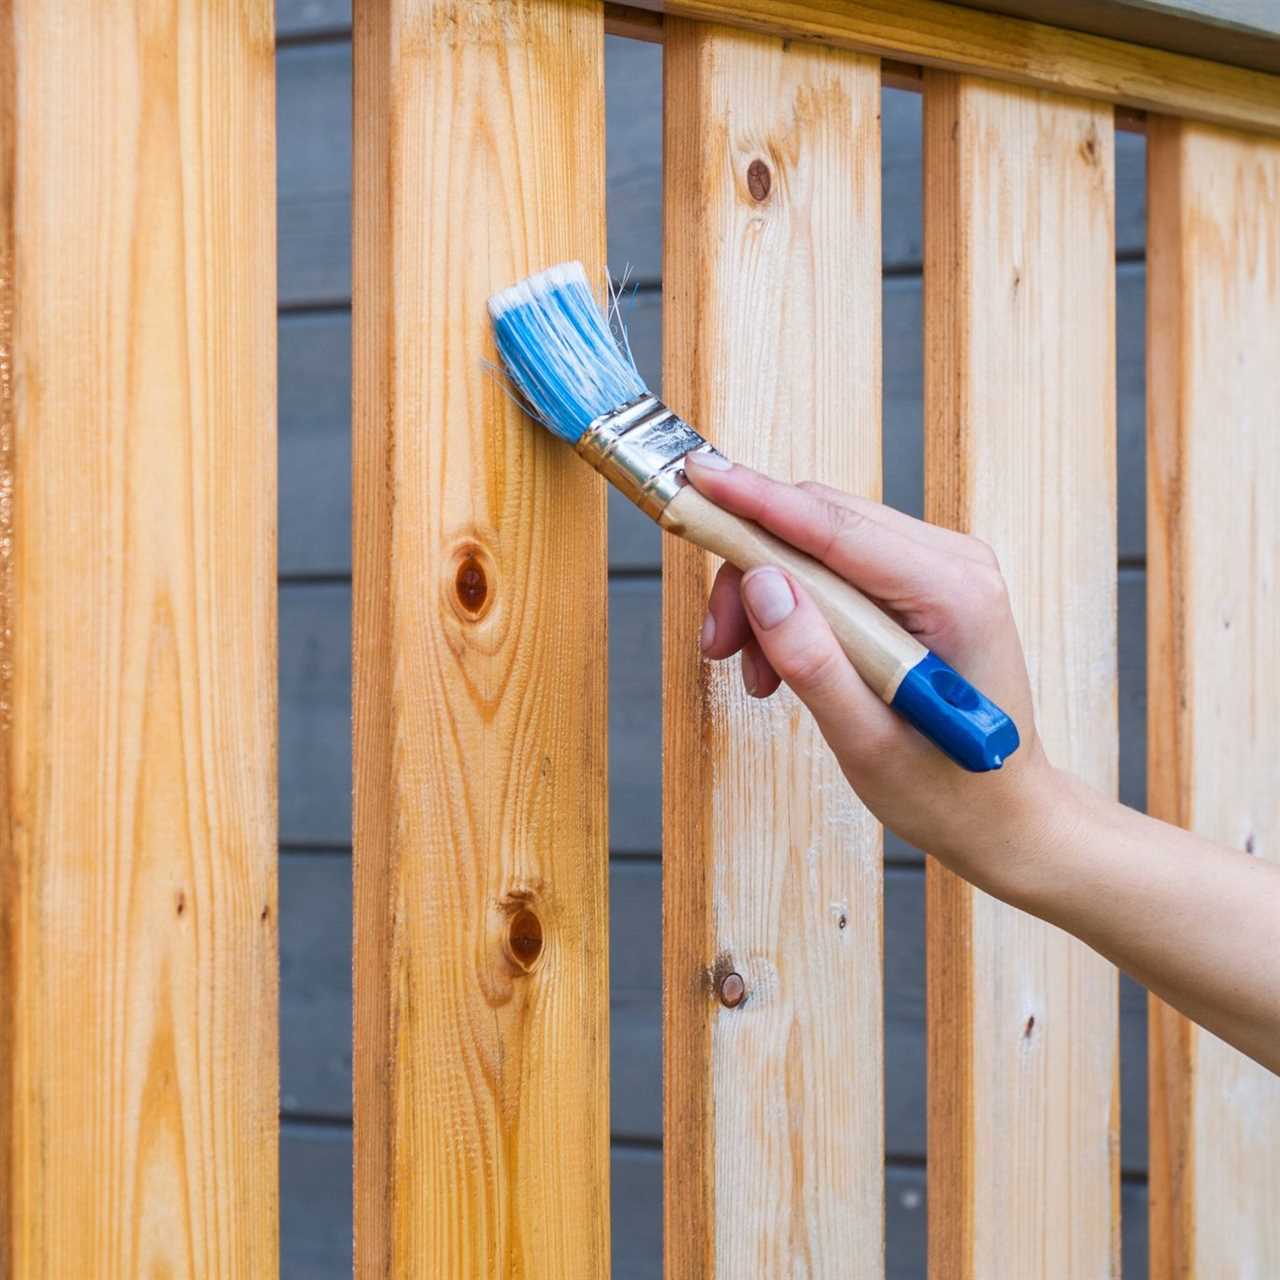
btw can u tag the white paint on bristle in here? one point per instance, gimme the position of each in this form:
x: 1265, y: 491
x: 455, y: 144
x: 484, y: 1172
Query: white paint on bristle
x: 533, y: 287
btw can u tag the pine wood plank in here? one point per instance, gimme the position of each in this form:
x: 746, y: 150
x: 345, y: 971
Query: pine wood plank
x: 1020, y: 449
x: 1213, y: 635
x: 947, y: 37
x: 481, y: 944
x: 138, y: 1078
x: 772, y: 867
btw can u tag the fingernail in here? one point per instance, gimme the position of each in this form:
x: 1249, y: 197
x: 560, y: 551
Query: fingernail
x: 706, y: 637
x: 707, y: 461
x: 748, y: 672
x: 768, y: 596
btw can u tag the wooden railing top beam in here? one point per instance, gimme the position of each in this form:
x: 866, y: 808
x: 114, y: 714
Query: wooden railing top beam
x: 1244, y: 33
x: 931, y: 33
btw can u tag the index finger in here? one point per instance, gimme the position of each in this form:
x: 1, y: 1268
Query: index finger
x: 880, y: 559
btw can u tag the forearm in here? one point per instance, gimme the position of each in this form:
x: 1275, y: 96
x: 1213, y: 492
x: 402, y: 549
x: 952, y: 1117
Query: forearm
x: 1196, y: 922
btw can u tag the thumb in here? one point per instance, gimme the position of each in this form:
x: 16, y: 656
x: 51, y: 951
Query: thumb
x: 803, y: 650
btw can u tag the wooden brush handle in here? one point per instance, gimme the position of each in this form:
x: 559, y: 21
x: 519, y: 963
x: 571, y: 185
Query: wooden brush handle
x: 880, y: 650
x: 957, y: 718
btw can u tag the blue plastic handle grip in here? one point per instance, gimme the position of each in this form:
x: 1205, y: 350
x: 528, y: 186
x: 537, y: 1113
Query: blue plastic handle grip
x: 957, y: 718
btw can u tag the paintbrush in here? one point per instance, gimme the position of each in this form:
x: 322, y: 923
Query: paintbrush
x: 577, y: 380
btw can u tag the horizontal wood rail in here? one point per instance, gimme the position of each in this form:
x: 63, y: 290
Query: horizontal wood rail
x: 945, y: 36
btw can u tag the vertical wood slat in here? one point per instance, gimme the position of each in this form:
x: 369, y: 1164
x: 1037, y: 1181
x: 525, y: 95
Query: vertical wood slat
x: 481, y: 932
x: 1020, y: 450
x: 138, y: 1130
x: 1214, y: 637
x: 774, y: 1125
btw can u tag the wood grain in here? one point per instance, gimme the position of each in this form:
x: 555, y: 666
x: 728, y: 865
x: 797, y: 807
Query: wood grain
x: 138, y: 1091
x: 1020, y: 449
x: 1214, y: 634
x: 947, y: 37
x: 481, y: 944
x: 773, y: 1119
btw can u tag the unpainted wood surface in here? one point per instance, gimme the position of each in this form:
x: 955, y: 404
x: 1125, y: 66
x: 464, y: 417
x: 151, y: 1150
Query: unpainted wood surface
x: 1214, y: 636
x: 315, y: 671
x: 315, y: 435
x: 1020, y: 449
x: 772, y: 870
x: 315, y: 171
x: 949, y: 38
x: 138, y: 1076
x: 481, y: 944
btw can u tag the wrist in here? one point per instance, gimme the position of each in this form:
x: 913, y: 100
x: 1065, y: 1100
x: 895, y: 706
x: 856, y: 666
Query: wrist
x: 1022, y: 847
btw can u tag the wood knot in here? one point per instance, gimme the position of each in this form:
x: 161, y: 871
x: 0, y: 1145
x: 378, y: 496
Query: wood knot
x: 524, y: 939
x: 732, y: 990
x: 181, y: 901
x: 471, y: 586
x: 759, y: 180
x: 1089, y: 148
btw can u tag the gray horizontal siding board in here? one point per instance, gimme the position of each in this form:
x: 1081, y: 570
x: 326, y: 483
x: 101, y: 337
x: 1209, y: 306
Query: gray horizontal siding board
x: 1132, y: 662
x: 315, y: 984
x: 1131, y: 411
x: 315, y: 714
x: 635, y: 716
x: 633, y: 154
x: 309, y: 17
x: 636, y: 1211
x: 315, y: 1203
x: 313, y: 164
x: 315, y: 444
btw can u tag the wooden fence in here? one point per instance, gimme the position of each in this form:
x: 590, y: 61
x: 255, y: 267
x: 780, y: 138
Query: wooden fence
x: 138, y: 911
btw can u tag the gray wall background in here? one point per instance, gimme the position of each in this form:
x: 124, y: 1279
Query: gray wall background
x: 314, y: 116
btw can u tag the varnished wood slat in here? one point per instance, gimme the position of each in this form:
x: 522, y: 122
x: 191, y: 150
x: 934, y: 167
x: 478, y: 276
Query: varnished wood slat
x: 1020, y: 449
x: 138, y: 1077
x: 481, y: 946
x: 772, y: 338
x: 947, y: 37
x: 1213, y: 333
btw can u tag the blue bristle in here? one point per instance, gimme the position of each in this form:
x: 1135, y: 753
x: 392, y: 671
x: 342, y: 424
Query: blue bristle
x: 558, y: 350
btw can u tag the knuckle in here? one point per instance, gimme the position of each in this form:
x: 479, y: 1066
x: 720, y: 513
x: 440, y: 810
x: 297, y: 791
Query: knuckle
x: 843, y: 525
x: 986, y: 553
x: 984, y: 586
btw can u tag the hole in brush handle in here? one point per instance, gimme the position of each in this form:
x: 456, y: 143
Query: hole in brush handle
x: 957, y: 718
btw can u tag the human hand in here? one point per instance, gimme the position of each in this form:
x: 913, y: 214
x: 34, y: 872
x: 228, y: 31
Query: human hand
x: 946, y: 589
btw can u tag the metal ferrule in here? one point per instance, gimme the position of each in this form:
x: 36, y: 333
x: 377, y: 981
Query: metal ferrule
x: 640, y: 449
